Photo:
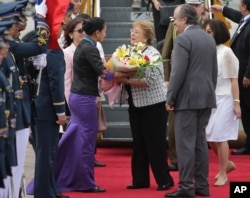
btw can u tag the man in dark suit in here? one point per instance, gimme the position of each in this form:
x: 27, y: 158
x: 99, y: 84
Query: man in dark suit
x: 191, y: 95
x: 166, y: 56
x: 241, y: 47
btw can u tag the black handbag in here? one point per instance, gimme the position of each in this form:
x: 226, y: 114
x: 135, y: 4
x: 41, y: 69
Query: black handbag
x: 167, y: 10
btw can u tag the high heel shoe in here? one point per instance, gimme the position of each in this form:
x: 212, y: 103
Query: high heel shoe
x: 96, y: 189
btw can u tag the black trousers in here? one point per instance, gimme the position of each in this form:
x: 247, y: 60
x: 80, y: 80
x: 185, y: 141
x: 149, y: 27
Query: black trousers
x: 46, y: 144
x: 148, y: 127
x: 160, y: 30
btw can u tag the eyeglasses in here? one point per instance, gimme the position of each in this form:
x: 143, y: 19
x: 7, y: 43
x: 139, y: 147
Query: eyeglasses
x: 134, y: 31
x: 80, y: 31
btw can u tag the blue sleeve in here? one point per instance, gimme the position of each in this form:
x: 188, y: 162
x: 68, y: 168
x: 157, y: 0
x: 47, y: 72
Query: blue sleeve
x: 56, y: 69
x: 37, y: 46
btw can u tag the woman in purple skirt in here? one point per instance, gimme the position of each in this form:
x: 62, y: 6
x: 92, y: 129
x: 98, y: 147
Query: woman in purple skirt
x: 75, y: 160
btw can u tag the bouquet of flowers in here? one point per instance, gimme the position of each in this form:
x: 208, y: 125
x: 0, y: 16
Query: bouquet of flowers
x: 130, y: 58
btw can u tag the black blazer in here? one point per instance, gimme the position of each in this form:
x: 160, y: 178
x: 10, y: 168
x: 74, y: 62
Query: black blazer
x: 241, y: 48
x: 87, y: 66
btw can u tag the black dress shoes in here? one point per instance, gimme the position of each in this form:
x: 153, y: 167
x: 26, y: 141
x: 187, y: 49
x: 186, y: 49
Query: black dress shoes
x: 165, y: 186
x: 99, y: 164
x: 173, y: 166
x: 96, y: 189
x: 178, y: 194
x: 59, y: 195
x: 202, y: 193
x: 133, y: 186
x: 241, y: 151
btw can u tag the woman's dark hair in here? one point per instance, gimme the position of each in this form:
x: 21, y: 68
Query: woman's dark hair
x: 219, y: 29
x: 94, y: 24
x: 83, y: 17
x: 247, y: 3
x: 70, y: 29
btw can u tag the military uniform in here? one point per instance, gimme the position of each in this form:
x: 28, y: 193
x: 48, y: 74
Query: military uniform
x: 22, y: 51
x: 7, y: 115
x: 19, y: 51
x: 49, y: 104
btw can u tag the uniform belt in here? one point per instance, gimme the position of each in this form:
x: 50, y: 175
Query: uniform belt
x: 7, y: 113
x: 18, y: 94
x: 23, y: 79
x: 12, y: 123
x: 3, y: 132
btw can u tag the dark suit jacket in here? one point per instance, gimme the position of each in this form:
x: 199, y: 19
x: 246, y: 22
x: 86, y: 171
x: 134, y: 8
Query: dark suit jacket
x: 87, y: 66
x: 50, y: 100
x: 193, y: 75
x: 241, y: 48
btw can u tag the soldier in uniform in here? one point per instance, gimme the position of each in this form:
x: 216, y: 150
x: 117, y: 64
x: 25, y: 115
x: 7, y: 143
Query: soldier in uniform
x: 7, y: 112
x: 22, y: 52
x: 4, y: 113
x: 10, y: 71
x: 50, y: 114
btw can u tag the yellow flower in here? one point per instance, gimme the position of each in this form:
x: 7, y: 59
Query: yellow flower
x: 131, y: 57
x: 132, y: 61
x: 142, y: 61
x: 121, y: 51
x: 139, y: 46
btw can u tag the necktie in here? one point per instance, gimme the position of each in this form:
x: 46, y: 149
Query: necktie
x: 238, y: 29
x: 240, y: 25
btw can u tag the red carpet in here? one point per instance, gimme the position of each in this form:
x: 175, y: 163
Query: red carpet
x: 116, y: 176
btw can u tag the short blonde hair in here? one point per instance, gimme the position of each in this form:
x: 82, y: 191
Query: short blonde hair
x: 148, y: 28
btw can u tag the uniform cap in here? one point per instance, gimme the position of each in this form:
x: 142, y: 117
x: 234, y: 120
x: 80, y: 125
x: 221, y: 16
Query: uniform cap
x: 25, y: 2
x: 19, y: 12
x: 2, y: 29
x: 7, y: 10
x: 6, y: 25
x: 194, y: 1
x: 21, y: 6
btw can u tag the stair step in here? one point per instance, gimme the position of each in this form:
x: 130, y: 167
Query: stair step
x: 124, y: 14
x: 116, y: 3
x: 115, y: 134
x: 110, y: 44
x: 118, y: 124
x: 118, y: 30
x: 119, y: 116
x: 119, y: 3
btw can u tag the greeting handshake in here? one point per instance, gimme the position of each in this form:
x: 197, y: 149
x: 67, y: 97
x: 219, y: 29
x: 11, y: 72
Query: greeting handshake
x: 41, y: 7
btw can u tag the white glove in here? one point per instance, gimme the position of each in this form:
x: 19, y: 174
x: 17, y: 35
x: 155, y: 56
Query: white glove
x: 40, y: 61
x: 41, y: 7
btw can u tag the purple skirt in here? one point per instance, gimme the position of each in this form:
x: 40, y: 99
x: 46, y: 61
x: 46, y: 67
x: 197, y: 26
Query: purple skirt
x: 75, y: 158
x: 74, y: 169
